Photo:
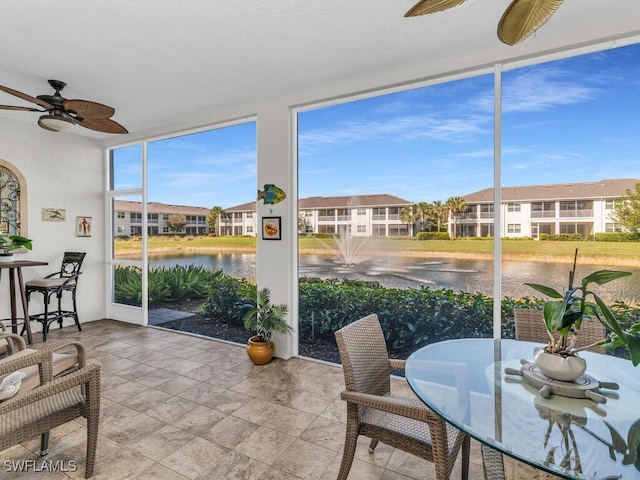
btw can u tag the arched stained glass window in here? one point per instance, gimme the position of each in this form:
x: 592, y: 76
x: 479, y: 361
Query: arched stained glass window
x: 12, y: 200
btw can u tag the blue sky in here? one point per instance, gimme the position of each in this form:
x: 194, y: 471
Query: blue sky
x: 576, y: 119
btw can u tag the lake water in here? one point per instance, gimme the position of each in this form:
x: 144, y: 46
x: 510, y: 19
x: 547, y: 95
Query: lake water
x: 469, y: 275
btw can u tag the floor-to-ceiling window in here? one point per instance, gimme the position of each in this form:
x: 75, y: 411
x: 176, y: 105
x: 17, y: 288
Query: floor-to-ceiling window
x: 379, y: 180
x: 570, y: 152
x: 375, y: 174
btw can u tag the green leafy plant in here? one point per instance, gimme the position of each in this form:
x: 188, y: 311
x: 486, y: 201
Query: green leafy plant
x: 264, y: 319
x: 565, y: 314
x: 13, y: 242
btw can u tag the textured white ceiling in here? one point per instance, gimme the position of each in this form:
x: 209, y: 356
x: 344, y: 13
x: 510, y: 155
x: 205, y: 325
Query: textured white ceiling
x: 163, y: 62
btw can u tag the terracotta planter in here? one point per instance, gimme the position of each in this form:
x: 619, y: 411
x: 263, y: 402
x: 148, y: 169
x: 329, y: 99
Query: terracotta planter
x: 260, y: 352
x: 565, y: 369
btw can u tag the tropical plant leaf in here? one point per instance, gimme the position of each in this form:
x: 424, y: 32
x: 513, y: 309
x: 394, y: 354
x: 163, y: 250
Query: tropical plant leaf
x: 548, y: 291
x: 554, y: 315
x: 523, y: 17
x: 603, y: 276
x: 424, y: 7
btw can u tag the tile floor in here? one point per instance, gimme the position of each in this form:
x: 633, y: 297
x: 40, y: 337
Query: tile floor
x: 176, y: 406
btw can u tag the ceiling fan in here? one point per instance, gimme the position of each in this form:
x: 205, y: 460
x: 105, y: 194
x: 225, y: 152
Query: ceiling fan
x: 62, y: 114
x: 519, y: 21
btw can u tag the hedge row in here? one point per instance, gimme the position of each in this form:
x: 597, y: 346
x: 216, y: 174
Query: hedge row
x: 410, y: 317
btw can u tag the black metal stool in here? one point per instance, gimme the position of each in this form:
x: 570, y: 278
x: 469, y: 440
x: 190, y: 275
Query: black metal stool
x: 65, y: 280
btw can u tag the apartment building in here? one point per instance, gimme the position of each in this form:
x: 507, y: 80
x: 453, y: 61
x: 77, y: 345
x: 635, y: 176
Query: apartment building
x: 528, y: 211
x: 584, y: 208
x: 356, y: 215
x: 128, y: 218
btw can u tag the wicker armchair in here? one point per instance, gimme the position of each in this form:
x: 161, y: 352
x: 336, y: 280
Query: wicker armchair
x: 52, y: 403
x: 530, y: 327
x: 67, y: 356
x: 403, y: 423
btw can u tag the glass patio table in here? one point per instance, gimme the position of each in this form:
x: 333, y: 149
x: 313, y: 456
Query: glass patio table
x: 464, y: 381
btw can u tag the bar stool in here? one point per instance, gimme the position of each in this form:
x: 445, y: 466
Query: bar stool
x: 64, y: 280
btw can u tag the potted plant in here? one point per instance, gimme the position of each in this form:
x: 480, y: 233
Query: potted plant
x: 263, y: 320
x: 9, y: 244
x: 564, y: 314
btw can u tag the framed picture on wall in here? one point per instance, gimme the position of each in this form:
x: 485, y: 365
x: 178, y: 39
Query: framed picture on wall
x: 271, y: 229
x: 83, y: 226
x: 54, y: 214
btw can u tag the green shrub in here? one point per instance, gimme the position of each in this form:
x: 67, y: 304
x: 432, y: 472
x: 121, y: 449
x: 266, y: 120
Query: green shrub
x: 563, y: 237
x: 225, y: 300
x: 618, y: 237
x: 432, y: 236
x: 172, y: 284
x: 128, y: 285
x: 410, y: 318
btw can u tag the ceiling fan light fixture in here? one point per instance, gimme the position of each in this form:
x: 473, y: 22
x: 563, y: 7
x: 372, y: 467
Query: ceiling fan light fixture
x: 55, y: 123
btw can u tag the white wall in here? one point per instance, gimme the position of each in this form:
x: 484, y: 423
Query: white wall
x: 62, y: 171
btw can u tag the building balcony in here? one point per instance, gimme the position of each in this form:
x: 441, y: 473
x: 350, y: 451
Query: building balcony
x: 576, y: 213
x: 176, y: 406
x: 544, y: 214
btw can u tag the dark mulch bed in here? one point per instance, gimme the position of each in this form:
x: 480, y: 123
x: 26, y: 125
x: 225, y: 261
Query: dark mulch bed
x: 209, y: 327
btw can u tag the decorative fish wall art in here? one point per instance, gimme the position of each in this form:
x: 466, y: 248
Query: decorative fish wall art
x: 271, y: 194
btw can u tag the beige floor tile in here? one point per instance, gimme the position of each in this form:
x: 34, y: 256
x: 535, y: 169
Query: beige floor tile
x: 305, y: 460
x: 235, y: 466
x: 176, y: 384
x: 159, y: 472
x: 265, y: 445
x: 284, y: 419
x: 162, y: 442
x: 208, y: 413
x: 202, y: 392
x: 227, y: 379
x: 227, y: 401
x: 231, y: 431
x: 123, y: 391
x: 359, y: 470
x: 146, y: 400
x: 123, y: 464
x: 201, y: 421
x: 194, y: 458
x: 326, y: 433
x: 171, y: 409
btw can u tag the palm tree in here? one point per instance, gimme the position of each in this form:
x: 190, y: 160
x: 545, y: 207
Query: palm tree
x: 456, y: 206
x: 212, y: 219
x: 439, y: 212
x: 408, y: 216
x: 423, y: 209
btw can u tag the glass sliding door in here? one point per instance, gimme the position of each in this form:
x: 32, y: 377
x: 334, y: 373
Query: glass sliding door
x: 126, y: 258
x: 200, y: 225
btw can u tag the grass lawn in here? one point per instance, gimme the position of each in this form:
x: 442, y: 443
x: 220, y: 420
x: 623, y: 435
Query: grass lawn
x: 601, y: 253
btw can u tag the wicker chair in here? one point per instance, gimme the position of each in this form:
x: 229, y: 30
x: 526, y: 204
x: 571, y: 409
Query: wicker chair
x: 53, y: 402
x: 530, y: 327
x: 403, y: 423
x: 67, y: 356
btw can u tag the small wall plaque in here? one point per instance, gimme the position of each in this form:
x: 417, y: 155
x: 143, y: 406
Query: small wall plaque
x: 54, y: 214
x: 271, y: 229
x: 83, y: 226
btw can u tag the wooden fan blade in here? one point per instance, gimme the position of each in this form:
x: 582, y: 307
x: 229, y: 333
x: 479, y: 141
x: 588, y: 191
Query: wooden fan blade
x: 26, y: 97
x: 431, y: 6
x: 25, y: 109
x: 523, y: 17
x: 105, y: 125
x: 89, y: 110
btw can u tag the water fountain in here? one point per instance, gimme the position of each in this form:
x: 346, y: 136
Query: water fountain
x: 347, y: 247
